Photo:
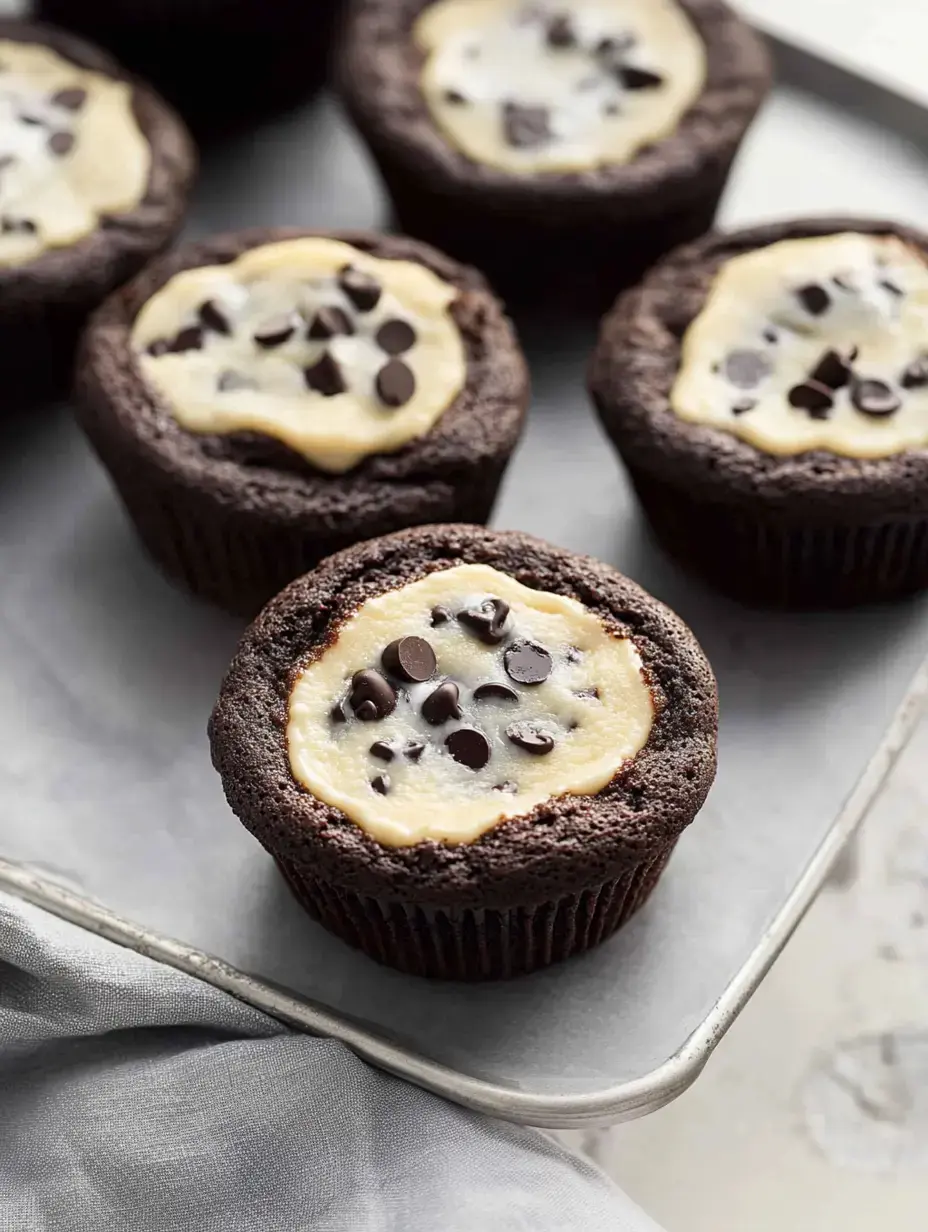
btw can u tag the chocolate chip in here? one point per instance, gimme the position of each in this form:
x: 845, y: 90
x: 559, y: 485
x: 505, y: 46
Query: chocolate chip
x: 916, y: 375
x: 815, y: 399
x: 442, y: 704
x: 410, y: 658
x: 814, y: 298
x: 526, y: 663
x: 888, y: 285
x: 61, y: 143
x: 212, y: 317
x: 746, y: 368
x: 19, y: 226
x: 395, y: 383
x: 509, y: 787
x: 588, y: 695
x: 832, y: 371
x: 743, y: 405
x: 230, y: 380
x: 531, y: 738
x: 382, y: 751
x: 560, y: 32
x: 329, y: 321
x: 525, y: 127
x: 189, y: 339
x: 362, y: 289
x: 371, y: 697
x: 455, y: 98
x: 395, y: 337
x: 875, y: 398
x: 325, y: 376
x: 495, y: 692
x: 573, y: 654
x: 337, y: 713
x: 275, y: 331
x: 413, y: 750
x: 469, y: 746
x: 381, y: 784
x: 440, y: 616
x: 633, y: 78
x: 71, y: 99
x: 488, y: 620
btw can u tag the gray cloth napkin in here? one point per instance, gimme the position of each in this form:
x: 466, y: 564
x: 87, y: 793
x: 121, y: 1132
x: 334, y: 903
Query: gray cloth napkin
x: 134, y: 1098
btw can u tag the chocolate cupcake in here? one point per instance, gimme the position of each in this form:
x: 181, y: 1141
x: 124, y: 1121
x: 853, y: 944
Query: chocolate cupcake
x: 471, y: 753
x: 222, y: 63
x: 266, y: 398
x: 561, y: 148
x: 768, y: 393
x: 94, y: 175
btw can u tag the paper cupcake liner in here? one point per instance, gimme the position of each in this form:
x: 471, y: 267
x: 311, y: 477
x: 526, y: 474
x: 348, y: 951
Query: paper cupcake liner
x: 476, y: 944
x: 770, y: 564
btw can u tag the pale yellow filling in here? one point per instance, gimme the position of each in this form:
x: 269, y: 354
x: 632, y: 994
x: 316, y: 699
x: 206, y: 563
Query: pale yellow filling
x: 437, y: 797
x: 269, y: 393
x: 483, y: 54
x: 48, y: 199
x: 879, y: 305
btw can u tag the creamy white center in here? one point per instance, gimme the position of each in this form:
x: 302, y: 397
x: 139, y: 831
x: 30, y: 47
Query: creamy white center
x: 524, y: 697
x: 334, y: 352
x: 71, y: 151
x: 814, y: 344
x: 534, y: 87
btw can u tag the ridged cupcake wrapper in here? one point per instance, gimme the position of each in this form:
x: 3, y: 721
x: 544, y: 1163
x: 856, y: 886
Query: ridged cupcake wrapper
x: 767, y: 563
x: 476, y: 944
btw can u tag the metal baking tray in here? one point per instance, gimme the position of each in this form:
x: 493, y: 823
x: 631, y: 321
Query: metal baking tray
x: 111, y: 816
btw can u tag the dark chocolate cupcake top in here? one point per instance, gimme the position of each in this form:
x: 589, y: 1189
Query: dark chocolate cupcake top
x: 432, y: 713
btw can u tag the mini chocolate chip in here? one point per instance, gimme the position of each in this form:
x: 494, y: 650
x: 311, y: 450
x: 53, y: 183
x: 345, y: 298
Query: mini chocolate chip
x: 560, y: 32
x: 916, y: 375
x: 531, y: 738
x: 61, y: 143
x: 525, y: 127
x: 395, y: 337
x: 832, y: 371
x: 509, y: 787
x: 488, y: 620
x: 212, y: 317
x: 495, y: 692
x: 329, y: 321
x: 633, y: 78
x: 362, y: 289
x: 337, y: 713
x: 811, y: 397
x: 413, y: 750
x: 440, y: 616
x: 469, y: 746
x: 743, y: 405
x: 814, y: 298
x: 888, y: 285
x: 71, y: 99
x: 381, y: 784
x: 189, y: 339
x: 371, y: 697
x: 455, y: 98
x: 875, y: 398
x: 159, y: 347
x: 746, y: 368
x: 229, y: 381
x: 526, y: 663
x: 325, y: 376
x: 382, y: 751
x: 395, y: 383
x: 442, y: 704
x: 410, y: 658
x: 771, y: 336
x: 275, y: 331
x: 19, y: 226
x: 588, y: 695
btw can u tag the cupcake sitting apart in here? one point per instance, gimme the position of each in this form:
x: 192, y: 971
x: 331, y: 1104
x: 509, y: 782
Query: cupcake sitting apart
x: 768, y: 393
x: 94, y: 175
x: 561, y: 148
x: 265, y: 398
x: 471, y: 753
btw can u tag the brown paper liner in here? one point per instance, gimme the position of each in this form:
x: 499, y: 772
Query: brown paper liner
x: 476, y: 944
x: 773, y: 564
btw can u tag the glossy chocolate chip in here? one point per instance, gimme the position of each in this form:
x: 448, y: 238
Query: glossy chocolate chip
x: 71, y: 99
x: 812, y: 398
x: 189, y: 339
x: 560, y: 32
x: 229, y: 381
x: 639, y: 78
x: 212, y: 317
x: 395, y: 384
x: 362, y: 289
x: 525, y: 127
x: 329, y: 321
x: 413, y: 750
x: 488, y: 620
x: 410, y: 658
x: 745, y: 369
x: 916, y: 375
x: 395, y: 337
x: 492, y: 691
x: 325, y: 376
x: 531, y: 738
x: 61, y: 143
x: 275, y: 331
x: 455, y: 98
x: 469, y: 746
x: 875, y: 398
x: 440, y: 616
x: 381, y: 784
x: 18, y: 226
x: 832, y: 370
x: 337, y: 713
x: 526, y: 663
x: 743, y: 405
x: 442, y: 704
x: 814, y: 298
x: 382, y: 750
x: 371, y: 697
